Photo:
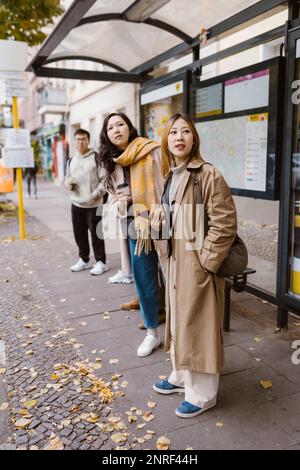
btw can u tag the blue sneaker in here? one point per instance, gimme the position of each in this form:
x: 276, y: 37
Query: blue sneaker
x: 187, y: 410
x: 166, y: 387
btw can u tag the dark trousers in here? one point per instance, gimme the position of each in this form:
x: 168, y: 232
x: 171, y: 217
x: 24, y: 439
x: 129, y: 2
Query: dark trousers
x: 30, y: 178
x: 84, y: 220
x: 144, y: 268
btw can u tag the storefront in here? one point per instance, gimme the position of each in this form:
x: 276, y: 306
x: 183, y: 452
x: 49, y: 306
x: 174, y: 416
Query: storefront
x: 53, y: 150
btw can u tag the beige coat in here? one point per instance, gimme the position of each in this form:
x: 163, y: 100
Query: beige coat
x: 198, y: 338
x: 118, y: 178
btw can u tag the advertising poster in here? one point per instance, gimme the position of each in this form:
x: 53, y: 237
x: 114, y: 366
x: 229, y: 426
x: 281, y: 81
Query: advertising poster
x: 6, y: 179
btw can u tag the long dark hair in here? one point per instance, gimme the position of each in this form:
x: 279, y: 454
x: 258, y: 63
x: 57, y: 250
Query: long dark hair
x: 108, y: 151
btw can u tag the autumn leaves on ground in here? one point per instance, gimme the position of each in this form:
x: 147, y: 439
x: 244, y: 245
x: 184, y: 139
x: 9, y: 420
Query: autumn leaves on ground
x: 56, y: 397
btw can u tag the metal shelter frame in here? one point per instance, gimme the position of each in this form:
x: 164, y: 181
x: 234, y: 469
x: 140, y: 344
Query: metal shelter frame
x: 74, y: 17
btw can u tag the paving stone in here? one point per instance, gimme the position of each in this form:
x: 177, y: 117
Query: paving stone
x: 84, y: 447
x: 66, y: 441
x: 80, y: 426
x: 97, y: 444
x: 57, y: 417
x: 35, y: 440
x: 48, y: 425
x: 34, y: 424
x: 68, y: 404
x: 66, y: 432
x: 75, y: 445
x: 21, y: 440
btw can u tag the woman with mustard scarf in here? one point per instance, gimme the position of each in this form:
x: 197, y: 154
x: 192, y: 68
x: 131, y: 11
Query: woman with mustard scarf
x: 134, y: 176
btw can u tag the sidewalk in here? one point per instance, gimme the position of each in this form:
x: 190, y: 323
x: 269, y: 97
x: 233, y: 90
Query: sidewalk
x: 60, y: 340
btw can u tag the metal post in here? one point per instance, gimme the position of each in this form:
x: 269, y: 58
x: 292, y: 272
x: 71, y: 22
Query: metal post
x: 282, y: 317
x: 19, y: 175
x: 293, y: 9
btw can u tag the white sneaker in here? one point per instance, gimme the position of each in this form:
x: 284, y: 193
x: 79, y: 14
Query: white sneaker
x: 98, y: 268
x: 148, y: 345
x: 120, y: 278
x: 79, y: 266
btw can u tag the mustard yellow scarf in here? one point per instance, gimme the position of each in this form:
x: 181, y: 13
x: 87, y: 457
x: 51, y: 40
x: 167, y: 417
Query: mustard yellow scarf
x: 138, y: 157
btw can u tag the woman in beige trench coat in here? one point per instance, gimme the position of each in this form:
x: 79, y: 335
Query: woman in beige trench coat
x: 194, y: 293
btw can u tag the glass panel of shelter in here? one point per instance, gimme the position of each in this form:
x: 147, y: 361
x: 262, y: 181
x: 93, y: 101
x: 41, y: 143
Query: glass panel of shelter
x: 294, y: 258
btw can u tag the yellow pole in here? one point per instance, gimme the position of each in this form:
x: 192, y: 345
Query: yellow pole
x: 19, y: 175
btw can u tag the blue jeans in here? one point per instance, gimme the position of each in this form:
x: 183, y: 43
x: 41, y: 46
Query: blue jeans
x: 144, y: 269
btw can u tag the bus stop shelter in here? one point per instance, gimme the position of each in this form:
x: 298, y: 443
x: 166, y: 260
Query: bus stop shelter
x: 131, y: 39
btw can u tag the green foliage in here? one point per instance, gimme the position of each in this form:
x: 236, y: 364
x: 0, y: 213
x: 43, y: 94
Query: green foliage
x: 36, y: 152
x: 23, y: 20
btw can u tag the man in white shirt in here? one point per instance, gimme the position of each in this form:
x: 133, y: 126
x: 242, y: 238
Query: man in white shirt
x: 85, y: 180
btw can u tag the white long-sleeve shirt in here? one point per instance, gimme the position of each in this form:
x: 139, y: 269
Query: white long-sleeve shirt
x: 89, y: 177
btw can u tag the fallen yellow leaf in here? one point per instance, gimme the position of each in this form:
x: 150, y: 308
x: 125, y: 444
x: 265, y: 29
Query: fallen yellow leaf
x: 114, y: 419
x: 113, y: 361
x: 55, y: 443
x: 163, y: 443
x: 132, y: 418
x: 65, y: 423
x: 148, y: 416
x: 118, y: 437
x: 108, y: 427
x: 22, y: 423
x: 219, y: 424
x: 2, y: 370
x: 24, y: 412
x: 151, y: 404
x: 140, y: 426
x: 28, y: 325
x: 266, y: 383
x: 30, y: 404
x: 257, y: 339
x: 33, y: 448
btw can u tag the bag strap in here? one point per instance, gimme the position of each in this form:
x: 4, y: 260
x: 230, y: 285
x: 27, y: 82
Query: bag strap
x: 199, y: 198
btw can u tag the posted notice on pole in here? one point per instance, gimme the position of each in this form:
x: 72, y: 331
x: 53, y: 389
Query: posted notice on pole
x: 17, y: 152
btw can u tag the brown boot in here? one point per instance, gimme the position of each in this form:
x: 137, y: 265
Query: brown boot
x: 133, y: 304
x: 161, y: 319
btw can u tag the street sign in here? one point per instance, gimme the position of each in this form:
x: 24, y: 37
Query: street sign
x: 16, y: 139
x: 13, y: 55
x: 6, y: 75
x: 17, y: 158
x: 15, y: 87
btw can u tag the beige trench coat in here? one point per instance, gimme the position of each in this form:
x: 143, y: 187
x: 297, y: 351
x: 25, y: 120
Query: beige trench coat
x: 199, y: 293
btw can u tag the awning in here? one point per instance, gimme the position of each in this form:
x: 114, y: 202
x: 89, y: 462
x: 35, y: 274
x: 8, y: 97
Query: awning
x: 130, y: 37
